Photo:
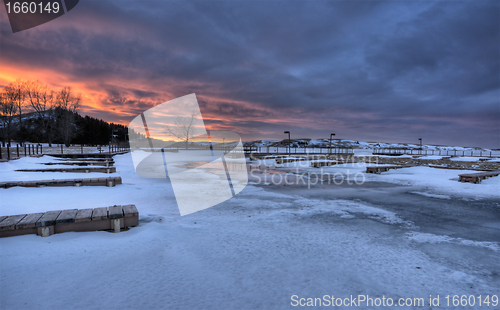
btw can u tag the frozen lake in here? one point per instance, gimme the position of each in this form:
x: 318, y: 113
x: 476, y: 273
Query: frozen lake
x: 394, y: 236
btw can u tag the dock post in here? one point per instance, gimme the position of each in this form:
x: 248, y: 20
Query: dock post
x: 116, y: 225
x: 45, y: 231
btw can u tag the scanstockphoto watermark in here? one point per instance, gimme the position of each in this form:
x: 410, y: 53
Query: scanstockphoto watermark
x: 207, y: 167
x: 303, y: 171
x: 358, y: 301
x: 368, y: 301
x: 204, y: 167
x: 308, y: 178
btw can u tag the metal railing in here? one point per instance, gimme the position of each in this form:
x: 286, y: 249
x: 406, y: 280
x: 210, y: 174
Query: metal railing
x: 472, y: 153
x: 18, y: 151
x: 297, y: 150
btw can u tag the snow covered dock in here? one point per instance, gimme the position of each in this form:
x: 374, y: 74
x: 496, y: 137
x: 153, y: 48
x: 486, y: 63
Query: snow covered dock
x: 54, y: 222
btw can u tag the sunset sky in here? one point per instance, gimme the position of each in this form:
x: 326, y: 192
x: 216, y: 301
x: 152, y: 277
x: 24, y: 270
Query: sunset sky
x: 391, y: 71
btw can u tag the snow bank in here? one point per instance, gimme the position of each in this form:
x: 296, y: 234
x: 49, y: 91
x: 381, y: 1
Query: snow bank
x: 441, y: 181
x: 431, y: 238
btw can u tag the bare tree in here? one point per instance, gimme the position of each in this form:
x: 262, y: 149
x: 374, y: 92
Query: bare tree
x: 41, y: 98
x: 16, y: 95
x: 182, y: 128
x: 8, y: 110
x: 69, y: 102
x: 2, y: 120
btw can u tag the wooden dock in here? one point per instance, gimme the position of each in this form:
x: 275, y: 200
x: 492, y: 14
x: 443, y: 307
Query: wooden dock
x: 86, y: 159
x: 319, y: 164
x: 110, y: 182
x: 320, y: 157
x: 53, y: 222
x: 281, y: 160
x: 476, y: 178
x: 74, y: 170
x: 81, y: 163
x: 379, y: 169
x: 88, y: 155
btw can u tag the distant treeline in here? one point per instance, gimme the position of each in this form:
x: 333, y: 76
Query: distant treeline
x: 87, y: 130
x: 33, y: 112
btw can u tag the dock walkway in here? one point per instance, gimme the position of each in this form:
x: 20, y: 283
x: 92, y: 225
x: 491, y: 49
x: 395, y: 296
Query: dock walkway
x: 53, y: 222
x: 476, y: 178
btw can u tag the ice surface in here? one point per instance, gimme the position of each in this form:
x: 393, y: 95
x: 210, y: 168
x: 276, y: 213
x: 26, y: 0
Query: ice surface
x: 257, y: 249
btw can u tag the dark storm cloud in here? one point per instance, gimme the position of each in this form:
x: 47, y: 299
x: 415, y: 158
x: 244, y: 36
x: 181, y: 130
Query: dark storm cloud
x: 386, y: 70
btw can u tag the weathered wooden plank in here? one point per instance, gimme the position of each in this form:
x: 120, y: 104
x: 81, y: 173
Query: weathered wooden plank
x: 83, y: 215
x: 83, y: 159
x: 378, y: 169
x: 318, y: 164
x: 288, y: 160
x: 74, y: 170
x: 81, y: 164
x: 66, y: 216
x: 48, y: 219
x: 481, y: 174
x: 477, y: 177
x: 63, y: 182
x: 69, y: 220
x: 95, y: 182
x: 131, y: 216
x: 10, y: 222
x: 100, y: 214
x: 29, y: 221
x: 130, y: 211
x: 115, y: 212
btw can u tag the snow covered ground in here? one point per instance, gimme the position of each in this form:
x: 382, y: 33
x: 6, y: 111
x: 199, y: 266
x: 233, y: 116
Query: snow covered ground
x: 407, y: 233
